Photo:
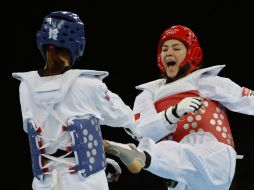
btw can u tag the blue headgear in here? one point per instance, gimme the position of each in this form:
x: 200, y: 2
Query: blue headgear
x: 62, y: 29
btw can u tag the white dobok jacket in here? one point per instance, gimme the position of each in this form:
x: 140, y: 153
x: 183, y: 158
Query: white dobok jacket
x: 52, y: 100
x: 204, y: 158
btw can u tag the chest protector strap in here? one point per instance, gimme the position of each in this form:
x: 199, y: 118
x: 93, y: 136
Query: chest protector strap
x: 35, y: 150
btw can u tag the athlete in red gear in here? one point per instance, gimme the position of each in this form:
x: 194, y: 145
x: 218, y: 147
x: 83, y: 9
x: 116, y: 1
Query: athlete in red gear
x: 182, y: 119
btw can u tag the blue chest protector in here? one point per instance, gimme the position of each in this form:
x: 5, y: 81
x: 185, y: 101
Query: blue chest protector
x: 35, y: 150
x: 87, y: 145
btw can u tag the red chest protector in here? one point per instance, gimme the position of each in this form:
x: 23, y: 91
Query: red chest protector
x: 211, y: 119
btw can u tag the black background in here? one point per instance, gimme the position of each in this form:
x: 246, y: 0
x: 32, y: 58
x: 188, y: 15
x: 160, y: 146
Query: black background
x: 122, y: 38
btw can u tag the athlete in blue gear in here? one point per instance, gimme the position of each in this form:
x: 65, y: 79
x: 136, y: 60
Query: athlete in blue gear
x: 63, y: 108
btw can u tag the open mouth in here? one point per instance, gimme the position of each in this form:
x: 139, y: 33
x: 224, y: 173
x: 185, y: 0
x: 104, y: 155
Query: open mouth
x: 171, y: 63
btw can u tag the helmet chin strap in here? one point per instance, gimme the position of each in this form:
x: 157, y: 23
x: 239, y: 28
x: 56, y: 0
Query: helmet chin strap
x: 183, y: 71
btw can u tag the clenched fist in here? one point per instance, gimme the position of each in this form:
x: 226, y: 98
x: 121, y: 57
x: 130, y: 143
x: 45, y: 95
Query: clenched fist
x: 187, y: 105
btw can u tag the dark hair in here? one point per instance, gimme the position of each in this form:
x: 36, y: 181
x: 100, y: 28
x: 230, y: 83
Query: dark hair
x: 55, y: 65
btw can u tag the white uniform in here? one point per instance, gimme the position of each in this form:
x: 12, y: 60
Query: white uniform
x: 50, y: 101
x: 198, y: 161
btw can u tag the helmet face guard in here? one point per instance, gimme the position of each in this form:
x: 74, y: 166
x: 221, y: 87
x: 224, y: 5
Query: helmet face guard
x: 62, y: 29
x: 194, y: 54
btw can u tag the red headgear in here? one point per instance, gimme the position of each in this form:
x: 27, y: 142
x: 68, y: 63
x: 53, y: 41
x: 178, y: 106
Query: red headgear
x: 194, y: 54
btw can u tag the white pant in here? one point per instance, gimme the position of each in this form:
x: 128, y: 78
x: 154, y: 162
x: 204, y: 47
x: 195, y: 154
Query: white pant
x: 198, y: 162
x: 67, y: 181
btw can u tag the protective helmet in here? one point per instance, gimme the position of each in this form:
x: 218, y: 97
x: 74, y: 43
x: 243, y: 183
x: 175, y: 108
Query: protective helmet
x: 194, y: 54
x: 62, y: 29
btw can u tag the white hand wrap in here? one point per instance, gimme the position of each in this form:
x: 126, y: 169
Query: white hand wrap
x: 188, y: 105
x: 114, y: 164
x: 170, y: 116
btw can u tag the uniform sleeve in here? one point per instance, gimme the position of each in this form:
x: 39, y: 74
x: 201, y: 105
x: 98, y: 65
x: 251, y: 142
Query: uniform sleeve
x: 231, y: 95
x: 148, y: 122
x: 113, y: 110
x: 23, y: 95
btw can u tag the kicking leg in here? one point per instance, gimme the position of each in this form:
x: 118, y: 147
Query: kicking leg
x: 129, y: 154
